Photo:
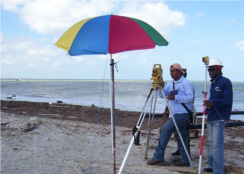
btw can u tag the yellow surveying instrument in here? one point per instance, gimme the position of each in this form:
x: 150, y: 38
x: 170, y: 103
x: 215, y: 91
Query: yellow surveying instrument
x: 205, y: 60
x: 157, y: 76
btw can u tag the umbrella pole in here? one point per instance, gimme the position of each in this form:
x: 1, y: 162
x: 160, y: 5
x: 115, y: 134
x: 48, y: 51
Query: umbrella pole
x: 112, y: 109
x: 205, y: 60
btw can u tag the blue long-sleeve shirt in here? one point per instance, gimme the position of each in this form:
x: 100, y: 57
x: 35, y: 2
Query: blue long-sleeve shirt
x: 221, y: 97
x: 185, y: 95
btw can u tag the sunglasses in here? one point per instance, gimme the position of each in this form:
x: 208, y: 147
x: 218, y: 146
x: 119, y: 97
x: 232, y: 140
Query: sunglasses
x: 212, y: 69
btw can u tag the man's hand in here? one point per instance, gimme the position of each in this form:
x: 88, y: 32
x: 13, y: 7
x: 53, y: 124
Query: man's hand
x: 207, y: 103
x: 171, y: 96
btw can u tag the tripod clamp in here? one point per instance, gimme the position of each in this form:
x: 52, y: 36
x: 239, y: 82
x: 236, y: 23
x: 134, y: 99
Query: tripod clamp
x: 136, y: 137
x: 115, y: 64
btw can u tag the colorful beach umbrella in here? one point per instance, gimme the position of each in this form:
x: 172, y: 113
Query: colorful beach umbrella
x: 109, y: 34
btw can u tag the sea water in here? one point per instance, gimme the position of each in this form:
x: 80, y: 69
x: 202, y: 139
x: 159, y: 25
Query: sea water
x: 130, y: 95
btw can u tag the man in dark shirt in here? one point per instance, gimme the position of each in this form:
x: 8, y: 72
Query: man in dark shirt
x: 218, y: 111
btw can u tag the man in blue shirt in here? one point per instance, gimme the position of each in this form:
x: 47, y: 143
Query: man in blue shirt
x: 218, y: 111
x: 179, y: 90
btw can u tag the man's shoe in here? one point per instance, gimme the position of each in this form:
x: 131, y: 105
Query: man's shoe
x: 176, y: 160
x: 181, y: 164
x: 176, y: 153
x: 154, y: 162
x: 163, y: 163
x: 209, y: 170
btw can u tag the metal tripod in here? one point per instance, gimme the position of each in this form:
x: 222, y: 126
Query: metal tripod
x: 136, y: 130
x: 152, y: 103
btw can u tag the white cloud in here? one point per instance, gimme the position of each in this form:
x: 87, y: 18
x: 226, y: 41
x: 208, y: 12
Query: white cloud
x: 23, y: 57
x: 55, y: 16
x: 13, y: 5
x: 156, y: 14
x: 23, y: 51
x: 240, y: 45
x: 32, y: 52
x: 7, y: 61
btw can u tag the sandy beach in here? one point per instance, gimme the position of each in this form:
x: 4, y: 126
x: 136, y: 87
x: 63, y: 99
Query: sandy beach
x: 67, y: 139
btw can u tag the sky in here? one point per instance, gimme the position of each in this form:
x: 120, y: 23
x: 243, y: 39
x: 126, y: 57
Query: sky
x: 194, y: 29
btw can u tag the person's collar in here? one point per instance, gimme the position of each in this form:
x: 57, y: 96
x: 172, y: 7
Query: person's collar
x: 213, y: 80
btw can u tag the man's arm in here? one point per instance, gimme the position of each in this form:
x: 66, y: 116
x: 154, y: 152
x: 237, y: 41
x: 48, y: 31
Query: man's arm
x: 187, y: 96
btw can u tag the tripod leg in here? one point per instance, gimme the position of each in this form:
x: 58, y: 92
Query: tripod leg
x: 144, y: 107
x: 137, y: 137
x: 138, y: 126
x: 150, y: 122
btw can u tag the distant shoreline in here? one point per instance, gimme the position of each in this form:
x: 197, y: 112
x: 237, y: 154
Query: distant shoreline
x: 121, y: 80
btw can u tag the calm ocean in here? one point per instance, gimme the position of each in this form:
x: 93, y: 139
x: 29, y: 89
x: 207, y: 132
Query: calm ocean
x: 129, y: 94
